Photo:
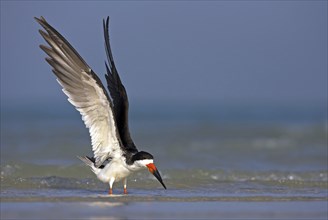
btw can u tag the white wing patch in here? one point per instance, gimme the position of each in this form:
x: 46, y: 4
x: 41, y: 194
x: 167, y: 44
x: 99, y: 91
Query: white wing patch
x: 97, y: 115
x: 84, y: 91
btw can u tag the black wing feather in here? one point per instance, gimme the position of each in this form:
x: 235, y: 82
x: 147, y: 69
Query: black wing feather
x: 118, y: 94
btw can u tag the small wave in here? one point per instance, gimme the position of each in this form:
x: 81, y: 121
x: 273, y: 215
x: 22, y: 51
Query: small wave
x: 76, y: 176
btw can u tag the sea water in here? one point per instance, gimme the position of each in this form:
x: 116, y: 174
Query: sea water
x: 209, y: 156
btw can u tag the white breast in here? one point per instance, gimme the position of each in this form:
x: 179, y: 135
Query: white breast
x: 114, y: 169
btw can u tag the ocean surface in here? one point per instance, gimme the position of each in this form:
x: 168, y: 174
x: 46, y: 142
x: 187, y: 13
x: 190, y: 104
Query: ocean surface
x: 217, y: 161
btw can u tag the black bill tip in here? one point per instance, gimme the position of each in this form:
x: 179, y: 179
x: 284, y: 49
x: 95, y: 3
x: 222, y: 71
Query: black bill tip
x: 159, y: 178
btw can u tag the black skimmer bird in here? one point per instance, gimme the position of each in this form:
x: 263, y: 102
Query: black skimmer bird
x: 115, y: 154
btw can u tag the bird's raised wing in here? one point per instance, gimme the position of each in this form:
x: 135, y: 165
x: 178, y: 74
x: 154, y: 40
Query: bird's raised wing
x: 85, y: 91
x: 119, y: 96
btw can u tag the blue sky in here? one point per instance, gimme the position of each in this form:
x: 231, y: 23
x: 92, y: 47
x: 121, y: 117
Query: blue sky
x: 199, y: 51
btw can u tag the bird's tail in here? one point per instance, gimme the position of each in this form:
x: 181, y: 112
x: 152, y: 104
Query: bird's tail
x: 88, y: 161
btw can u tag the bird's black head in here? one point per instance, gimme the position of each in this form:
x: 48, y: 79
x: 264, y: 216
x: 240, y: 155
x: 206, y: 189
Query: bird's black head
x: 142, y: 155
x: 144, y: 159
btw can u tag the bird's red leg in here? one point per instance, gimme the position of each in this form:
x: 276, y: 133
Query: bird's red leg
x: 124, y: 184
x: 111, y: 181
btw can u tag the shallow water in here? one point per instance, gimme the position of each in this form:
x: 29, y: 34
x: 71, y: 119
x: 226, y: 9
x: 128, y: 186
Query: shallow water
x: 264, y: 165
x: 168, y: 210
